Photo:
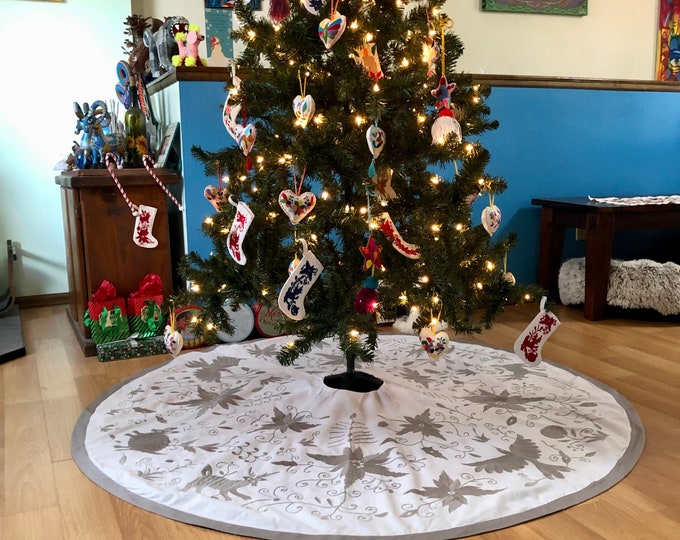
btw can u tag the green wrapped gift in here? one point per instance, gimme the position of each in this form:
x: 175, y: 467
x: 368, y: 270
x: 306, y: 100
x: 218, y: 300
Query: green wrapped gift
x: 130, y: 348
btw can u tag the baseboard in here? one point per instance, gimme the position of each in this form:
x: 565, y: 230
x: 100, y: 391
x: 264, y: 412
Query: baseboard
x: 42, y: 300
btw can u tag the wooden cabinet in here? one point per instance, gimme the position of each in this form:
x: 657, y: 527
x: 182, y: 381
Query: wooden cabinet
x: 99, y: 227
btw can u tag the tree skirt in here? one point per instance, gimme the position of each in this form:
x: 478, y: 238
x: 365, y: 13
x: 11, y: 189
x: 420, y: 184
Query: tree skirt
x: 228, y: 439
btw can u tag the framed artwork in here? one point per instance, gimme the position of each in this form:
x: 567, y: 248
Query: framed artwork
x: 550, y: 7
x: 668, y: 41
x: 166, y: 145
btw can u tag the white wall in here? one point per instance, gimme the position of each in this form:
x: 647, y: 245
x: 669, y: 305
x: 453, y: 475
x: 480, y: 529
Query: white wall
x: 81, y: 44
x: 62, y: 52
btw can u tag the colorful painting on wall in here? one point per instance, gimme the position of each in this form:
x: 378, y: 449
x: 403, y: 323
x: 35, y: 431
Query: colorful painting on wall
x: 550, y: 7
x: 668, y: 41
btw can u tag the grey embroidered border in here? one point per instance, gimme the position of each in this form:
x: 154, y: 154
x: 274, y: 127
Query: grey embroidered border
x: 230, y: 440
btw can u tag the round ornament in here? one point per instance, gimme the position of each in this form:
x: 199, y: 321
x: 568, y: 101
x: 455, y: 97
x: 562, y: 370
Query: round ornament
x: 173, y: 341
x: 375, y: 137
x: 268, y: 320
x: 491, y: 218
x: 242, y: 320
x: 184, y: 323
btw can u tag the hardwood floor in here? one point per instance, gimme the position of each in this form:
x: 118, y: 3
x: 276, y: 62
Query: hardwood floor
x: 44, y: 496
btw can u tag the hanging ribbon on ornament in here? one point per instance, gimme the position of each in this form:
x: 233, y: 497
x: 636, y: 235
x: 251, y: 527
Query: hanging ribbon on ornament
x: 295, y: 204
x: 375, y: 137
x: 299, y: 282
x: 216, y: 195
x: 144, y: 215
x: 446, y: 124
x: 491, y: 216
x: 332, y: 28
x: 150, y: 165
x: 434, y: 343
x: 303, y: 104
x: 507, y: 276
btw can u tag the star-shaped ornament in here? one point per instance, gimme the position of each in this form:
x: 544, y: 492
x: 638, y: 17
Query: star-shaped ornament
x: 371, y: 252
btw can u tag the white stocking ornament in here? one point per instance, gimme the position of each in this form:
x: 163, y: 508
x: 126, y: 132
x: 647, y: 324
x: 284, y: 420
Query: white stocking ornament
x: 143, y: 235
x: 390, y: 230
x: 530, y: 342
x: 239, y: 228
x: 298, y: 284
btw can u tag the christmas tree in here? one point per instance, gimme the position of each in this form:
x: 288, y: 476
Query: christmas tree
x: 351, y: 182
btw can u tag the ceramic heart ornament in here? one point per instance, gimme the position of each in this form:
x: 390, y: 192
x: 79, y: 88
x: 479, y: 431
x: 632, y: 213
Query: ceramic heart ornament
x: 331, y: 29
x: 375, y: 137
x: 173, y: 340
x: 434, y: 344
x: 304, y: 108
x: 491, y: 218
x: 216, y: 196
x: 297, y: 207
x: 313, y: 6
x: 246, y: 139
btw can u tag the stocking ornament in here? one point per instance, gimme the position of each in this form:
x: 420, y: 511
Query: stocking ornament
x: 145, y: 216
x: 298, y: 284
x: 390, y: 230
x: 530, y: 342
x: 239, y: 227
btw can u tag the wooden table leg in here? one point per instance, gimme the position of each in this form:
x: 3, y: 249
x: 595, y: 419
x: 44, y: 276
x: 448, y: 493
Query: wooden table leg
x: 550, y: 251
x: 599, y: 236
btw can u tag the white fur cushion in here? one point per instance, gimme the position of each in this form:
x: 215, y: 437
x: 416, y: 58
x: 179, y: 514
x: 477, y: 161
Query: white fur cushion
x: 639, y: 284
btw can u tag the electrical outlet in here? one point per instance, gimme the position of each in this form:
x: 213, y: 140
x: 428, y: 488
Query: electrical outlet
x: 580, y: 234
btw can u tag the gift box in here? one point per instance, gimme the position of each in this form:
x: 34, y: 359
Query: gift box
x: 131, y: 348
x: 106, y: 315
x: 145, y: 317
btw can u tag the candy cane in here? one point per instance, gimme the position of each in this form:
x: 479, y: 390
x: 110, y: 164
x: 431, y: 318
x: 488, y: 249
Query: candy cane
x: 146, y: 160
x: 109, y: 165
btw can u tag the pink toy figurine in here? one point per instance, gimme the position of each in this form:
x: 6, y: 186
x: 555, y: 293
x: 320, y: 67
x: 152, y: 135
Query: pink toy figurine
x: 188, y: 48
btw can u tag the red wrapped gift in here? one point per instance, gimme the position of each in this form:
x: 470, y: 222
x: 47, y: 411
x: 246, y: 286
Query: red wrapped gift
x: 144, y: 307
x: 107, y: 297
x: 150, y: 288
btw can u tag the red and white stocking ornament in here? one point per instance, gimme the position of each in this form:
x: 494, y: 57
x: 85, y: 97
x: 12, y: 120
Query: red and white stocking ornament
x: 530, y: 342
x: 145, y: 216
x: 390, y: 230
x: 239, y: 227
x: 299, y: 282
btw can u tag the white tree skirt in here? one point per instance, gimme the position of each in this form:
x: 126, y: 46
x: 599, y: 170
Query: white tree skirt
x: 229, y: 439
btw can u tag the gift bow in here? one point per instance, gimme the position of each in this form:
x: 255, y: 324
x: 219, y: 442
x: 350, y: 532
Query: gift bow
x: 152, y: 316
x: 105, y: 292
x: 150, y: 285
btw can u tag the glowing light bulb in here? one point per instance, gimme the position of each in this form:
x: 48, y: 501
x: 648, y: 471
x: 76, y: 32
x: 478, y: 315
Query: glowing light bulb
x: 354, y: 333
x: 435, y: 179
x: 363, y: 210
x: 251, y: 34
x: 194, y: 319
x: 459, y: 227
x: 469, y: 147
x: 490, y: 266
x: 435, y: 228
x: 368, y: 37
x: 354, y: 25
x: 527, y: 297
x: 376, y: 87
x: 421, y: 118
x: 424, y: 279
x: 325, y: 195
x: 476, y: 100
x: 195, y: 287
x: 405, y: 63
x: 479, y: 285
x: 224, y: 230
x: 208, y: 221
x: 319, y: 119
x: 359, y: 120
x: 210, y: 326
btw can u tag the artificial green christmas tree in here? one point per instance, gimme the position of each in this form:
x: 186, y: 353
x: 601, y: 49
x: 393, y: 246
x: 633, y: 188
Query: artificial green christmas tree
x: 352, y: 178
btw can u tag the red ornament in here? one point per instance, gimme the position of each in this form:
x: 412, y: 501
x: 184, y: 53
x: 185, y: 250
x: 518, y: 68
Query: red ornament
x: 366, y: 300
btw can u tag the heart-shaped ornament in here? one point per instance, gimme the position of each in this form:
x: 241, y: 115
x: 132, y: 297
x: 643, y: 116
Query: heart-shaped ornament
x: 330, y: 30
x: 434, y: 344
x: 216, y: 196
x: 173, y: 340
x: 297, y: 207
x: 304, y: 108
x: 509, y: 277
x: 491, y: 218
x: 313, y: 6
x: 246, y: 139
x: 375, y: 137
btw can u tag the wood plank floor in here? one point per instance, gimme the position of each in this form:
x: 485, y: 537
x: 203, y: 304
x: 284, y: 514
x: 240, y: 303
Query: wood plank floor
x: 44, y: 496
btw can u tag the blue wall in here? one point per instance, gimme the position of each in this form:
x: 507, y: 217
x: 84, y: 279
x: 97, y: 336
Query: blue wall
x: 568, y: 143
x: 550, y: 143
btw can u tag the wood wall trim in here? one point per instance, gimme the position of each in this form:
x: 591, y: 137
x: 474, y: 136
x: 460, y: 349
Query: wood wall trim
x: 223, y: 74
x: 42, y: 300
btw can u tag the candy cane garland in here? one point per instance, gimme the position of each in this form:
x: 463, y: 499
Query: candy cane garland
x: 146, y: 159
x: 109, y: 165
